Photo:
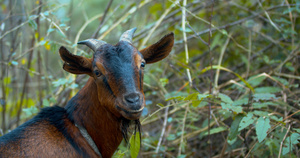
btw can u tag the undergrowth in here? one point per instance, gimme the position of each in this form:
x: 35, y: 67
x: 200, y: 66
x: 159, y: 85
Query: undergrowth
x: 229, y: 88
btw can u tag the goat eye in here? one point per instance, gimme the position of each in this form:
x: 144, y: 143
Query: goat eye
x: 143, y: 64
x: 97, y: 73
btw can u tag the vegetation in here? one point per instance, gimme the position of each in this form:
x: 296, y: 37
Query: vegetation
x: 230, y: 87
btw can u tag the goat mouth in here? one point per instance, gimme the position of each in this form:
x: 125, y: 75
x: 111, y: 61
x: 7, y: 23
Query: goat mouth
x: 130, y: 114
x: 130, y: 111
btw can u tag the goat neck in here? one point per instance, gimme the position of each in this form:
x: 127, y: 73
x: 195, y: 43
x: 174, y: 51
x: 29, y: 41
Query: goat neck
x: 86, y: 110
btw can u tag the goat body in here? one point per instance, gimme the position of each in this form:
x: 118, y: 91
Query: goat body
x: 111, y: 98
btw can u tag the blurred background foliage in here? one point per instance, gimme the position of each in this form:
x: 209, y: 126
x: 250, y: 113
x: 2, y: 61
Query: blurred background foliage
x: 230, y: 87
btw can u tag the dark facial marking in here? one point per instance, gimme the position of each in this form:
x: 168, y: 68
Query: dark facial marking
x: 118, y: 61
x: 141, y: 78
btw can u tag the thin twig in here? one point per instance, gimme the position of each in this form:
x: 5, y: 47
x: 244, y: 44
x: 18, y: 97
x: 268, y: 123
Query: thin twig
x: 132, y: 10
x: 20, y: 105
x: 291, y: 55
x: 156, y: 25
x: 39, y: 58
x: 220, y: 61
x: 266, y: 13
x: 249, y: 53
x: 292, y: 24
x: 182, y: 130
x: 194, y: 133
x: 24, y: 23
x: 83, y: 27
x: 183, y: 22
x: 211, y: 75
x: 287, y: 76
x: 232, y: 23
x: 102, y: 20
x: 281, y: 143
x: 196, y: 34
x: 163, y: 128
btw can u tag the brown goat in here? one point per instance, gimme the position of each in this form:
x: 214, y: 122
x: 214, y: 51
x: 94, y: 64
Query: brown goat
x: 95, y: 120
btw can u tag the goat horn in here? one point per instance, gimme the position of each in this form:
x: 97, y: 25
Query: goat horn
x: 127, y: 35
x: 94, y: 44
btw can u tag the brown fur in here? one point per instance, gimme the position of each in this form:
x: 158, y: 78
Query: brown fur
x: 43, y: 139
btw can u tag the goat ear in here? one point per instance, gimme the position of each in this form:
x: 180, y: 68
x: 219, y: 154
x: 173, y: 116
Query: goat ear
x: 75, y: 64
x: 159, y: 50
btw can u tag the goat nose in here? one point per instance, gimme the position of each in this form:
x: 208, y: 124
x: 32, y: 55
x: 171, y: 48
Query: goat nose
x: 132, y: 98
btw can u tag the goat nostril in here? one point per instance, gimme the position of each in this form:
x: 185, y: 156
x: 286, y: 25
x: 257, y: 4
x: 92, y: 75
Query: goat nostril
x: 132, y: 98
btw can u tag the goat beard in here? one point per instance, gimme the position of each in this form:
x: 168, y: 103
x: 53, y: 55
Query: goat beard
x: 125, y: 127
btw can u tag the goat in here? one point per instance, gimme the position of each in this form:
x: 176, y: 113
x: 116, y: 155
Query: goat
x: 94, y: 122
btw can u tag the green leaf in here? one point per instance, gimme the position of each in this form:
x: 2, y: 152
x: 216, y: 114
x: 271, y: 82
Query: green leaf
x: 46, y: 103
x: 186, y: 29
x: 62, y: 25
x: 225, y: 98
x: 31, y: 71
x: 275, y: 118
x: 32, y: 17
x: 29, y: 111
x: 224, y: 32
x: 237, y: 109
x: 264, y: 96
x: 50, y: 30
x: 259, y: 105
x: 196, y: 103
x: 73, y: 86
x: 290, y: 142
x: 200, y: 102
x: 288, y: 10
x: 163, y: 81
x: 250, y: 23
x: 240, y: 102
x: 283, y: 20
x: 297, y: 130
x: 7, y: 80
x: 14, y: 63
x: 43, y: 42
x: 281, y: 80
x: 171, y: 137
x: 261, y: 113
x: 216, y: 41
x: 46, y: 13
x: 262, y: 127
x: 193, y: 96
x: 234, y: 127
x: 121, y: 155
x: 59, y: 82
x: 31, y: 102
x: 176, y: 95
x: 177, y: 98
x: 267, y: 90
x: 246, y: 121
x: 231, y: 142
x: 52, y: 100
x: 256, y: 80
x: 202, y: 96
x: 216, y: 130
x: 160, y: 104
x: 135, y: 144
x: 33, y: 24
x: 226, y: 106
